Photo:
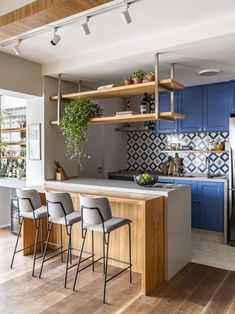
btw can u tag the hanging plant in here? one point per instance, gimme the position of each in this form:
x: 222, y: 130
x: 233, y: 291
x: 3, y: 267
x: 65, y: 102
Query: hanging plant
x: 74, y: 125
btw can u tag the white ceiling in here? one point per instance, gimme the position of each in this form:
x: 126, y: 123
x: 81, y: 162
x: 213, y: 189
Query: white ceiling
x: 7, y: 6
x: 194, y: 34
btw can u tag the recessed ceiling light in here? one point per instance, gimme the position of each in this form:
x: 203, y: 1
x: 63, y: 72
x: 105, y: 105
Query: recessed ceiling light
x: 209, y: 72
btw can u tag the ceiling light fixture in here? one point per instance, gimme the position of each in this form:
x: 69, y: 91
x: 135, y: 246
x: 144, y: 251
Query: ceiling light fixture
x: 16, y: 48
x: 55, y: 40
x: 126, y: 15
x: 209, y: 72
x: 85, y: 27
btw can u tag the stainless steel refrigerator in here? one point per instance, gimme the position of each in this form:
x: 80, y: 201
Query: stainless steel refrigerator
x: 231, y: 222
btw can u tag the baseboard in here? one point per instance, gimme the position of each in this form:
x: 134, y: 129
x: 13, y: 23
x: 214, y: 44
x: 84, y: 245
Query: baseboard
x: 4, y: 226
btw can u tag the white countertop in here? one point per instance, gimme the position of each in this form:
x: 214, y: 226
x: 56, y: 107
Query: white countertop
x: 111, y: 185
x: 12, y: 183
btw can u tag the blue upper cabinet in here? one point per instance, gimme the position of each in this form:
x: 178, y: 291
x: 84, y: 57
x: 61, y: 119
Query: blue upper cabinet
x: 216, y: 107
x: 163, y: 126
x: 211, y: 206
x: 232, y: 96
x: 191, y: 104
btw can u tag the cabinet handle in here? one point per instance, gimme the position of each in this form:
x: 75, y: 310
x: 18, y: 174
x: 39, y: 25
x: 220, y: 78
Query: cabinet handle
x: 199, y: 202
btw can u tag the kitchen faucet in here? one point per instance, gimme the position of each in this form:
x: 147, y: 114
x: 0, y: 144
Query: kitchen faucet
x: 208, y: 164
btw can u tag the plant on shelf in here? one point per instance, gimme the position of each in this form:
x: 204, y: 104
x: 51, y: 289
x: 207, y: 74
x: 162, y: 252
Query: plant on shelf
x: 128, y: 80
x: 138, y: 76
x: 74, y: 125
x: 150, y: 76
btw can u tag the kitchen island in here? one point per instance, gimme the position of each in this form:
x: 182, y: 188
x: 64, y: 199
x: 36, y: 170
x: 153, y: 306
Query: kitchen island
x: 161, y: 225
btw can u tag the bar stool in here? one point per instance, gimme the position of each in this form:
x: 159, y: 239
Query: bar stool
x: 61, y: 212
x: 97, y: 217
x: 30, y: 207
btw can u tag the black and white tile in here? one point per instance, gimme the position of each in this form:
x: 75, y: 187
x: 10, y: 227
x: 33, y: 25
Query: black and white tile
x: 145, y: 151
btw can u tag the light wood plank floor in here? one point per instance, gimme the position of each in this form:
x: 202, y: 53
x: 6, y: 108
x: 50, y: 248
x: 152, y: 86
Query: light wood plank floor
x: 196, y: 289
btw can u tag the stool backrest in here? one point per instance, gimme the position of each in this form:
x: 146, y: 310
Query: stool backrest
x: 95, y: 208
x: 28, y: 200
x: 59, y: 204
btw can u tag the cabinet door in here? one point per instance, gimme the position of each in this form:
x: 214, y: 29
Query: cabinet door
x: 216, y: 107
x: 232, y: 96
x: 163, y: 126
x: 190, y: 103
x: 211, y: 205
x: 194, y: 198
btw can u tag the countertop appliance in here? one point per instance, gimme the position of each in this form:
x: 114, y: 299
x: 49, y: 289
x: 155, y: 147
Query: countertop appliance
x: 231, y: 225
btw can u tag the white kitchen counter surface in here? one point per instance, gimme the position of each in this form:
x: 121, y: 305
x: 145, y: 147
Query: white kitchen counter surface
x: 111, y: 185
x: 12, y: 183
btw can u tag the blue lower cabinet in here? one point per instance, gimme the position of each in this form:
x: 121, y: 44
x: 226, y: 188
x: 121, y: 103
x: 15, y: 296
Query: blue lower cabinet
x: 166, y: 180
x: 211, y: 206
x: 194, y: 198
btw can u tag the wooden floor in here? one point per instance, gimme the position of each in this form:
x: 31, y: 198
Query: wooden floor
x: 196, y: 289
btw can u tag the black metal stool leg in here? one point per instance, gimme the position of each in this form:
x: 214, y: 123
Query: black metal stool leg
x: 41, y: 231
x: 92, y: 251
x: 104, y: 255
x: 17, y: 241
x: 79, y: 261
x: 37, y: 224
x: 106, y: 266
x: 61, y: 243
x: 69, y: 231
x: 45, y: 249
x: 129, y: 226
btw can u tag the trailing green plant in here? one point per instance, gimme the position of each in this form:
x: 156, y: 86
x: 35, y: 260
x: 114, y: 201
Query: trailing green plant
x: 128, y: 78
x: 139, y: 73
x: 74, y: 125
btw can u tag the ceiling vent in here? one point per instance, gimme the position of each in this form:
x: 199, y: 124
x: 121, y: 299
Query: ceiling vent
x: 209, y: 72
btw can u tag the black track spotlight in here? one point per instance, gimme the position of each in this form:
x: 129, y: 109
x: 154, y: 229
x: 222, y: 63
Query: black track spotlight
x: 56, y: 39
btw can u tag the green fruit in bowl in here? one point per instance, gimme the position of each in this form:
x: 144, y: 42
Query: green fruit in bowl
x: 145, y: 179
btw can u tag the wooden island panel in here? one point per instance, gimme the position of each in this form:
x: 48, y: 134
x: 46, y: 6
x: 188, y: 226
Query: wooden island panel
x: 148, y: 249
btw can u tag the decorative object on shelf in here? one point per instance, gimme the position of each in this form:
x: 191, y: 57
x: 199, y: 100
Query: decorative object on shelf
x: 138, y: 76
x: 179, y: 165
x: 128, y: 80
x: 106, y: 86
x: 145, y: 104
x: 220, y: 146
x: 146, y: 179
x: 74, y: 125
x: 125, y: 113
x: 34, y: 133
x: 60, y: 172
x: 150, y: 76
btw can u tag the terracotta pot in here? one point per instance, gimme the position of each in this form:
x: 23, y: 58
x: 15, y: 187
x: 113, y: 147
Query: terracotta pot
x: 137, y: 80
x: 128, y: 82
x: 151, y: 78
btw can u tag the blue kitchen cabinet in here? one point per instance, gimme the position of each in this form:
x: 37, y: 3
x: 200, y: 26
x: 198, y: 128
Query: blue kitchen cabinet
x: 211, y: 206
x: 216, y: 107
x: 232, y: 96
x: 164, y: 126
x: 190, y: 103
x: 194, y: 199
x: 163, y: 180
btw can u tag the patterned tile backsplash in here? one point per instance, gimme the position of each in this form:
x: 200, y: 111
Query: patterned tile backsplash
x: 144, y: 151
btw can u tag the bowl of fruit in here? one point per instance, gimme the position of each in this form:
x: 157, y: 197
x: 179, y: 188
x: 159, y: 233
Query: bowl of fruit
x: 146, y: 179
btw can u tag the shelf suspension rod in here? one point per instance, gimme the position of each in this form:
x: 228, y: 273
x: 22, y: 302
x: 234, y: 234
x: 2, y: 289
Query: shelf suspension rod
x: 157, y: 85
x: 172, y: 92
x: 59, y: 99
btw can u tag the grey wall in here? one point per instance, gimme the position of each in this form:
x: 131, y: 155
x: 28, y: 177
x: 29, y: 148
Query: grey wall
x: 20, y: 75
x: 5, y: 213
x: 35, y: 168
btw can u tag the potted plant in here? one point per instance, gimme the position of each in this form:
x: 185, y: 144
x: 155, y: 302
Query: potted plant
x: 74, y: 125
x: 128, y: 80
x: 138, y: 76
x: 150, y: 76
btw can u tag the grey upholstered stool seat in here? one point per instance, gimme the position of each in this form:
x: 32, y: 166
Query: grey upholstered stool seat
x: 30, y: 207
x: 109, y: 225
x: 38, y: 213
x: 61, y: 212
x: 97, y: 217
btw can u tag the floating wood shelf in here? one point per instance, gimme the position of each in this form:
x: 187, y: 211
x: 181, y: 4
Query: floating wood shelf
x: 13, y: 130
x: 13, y: 157
x: 196, y: 151
x: 15, y: 143
x: 133, y: 118
x: 126, y: 90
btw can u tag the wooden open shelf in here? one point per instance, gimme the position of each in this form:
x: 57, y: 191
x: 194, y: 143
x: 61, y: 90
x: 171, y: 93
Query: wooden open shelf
x: 133, y: 118
x: 13, y: 130
x: 13, y: 157
x: 196, y: 151
x: 15, y: 143
x: 125, y: 91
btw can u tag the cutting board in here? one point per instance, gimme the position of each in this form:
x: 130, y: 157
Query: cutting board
x: 171, y: 169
